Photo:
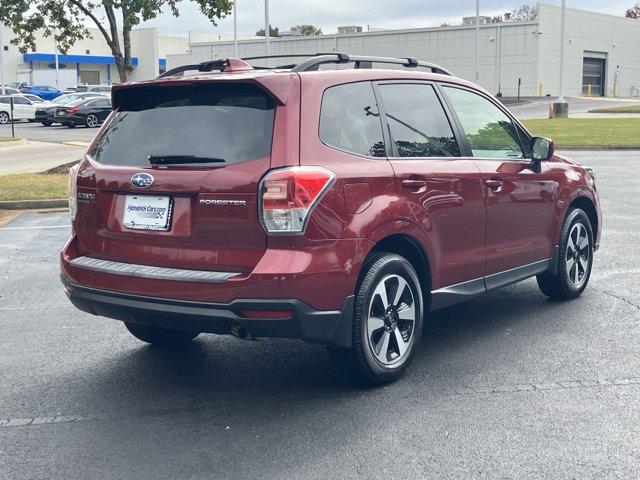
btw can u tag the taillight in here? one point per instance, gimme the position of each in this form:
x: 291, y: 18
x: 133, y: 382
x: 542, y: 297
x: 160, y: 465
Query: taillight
x: 73, y: 191
x: 288, y: 195
x: 72, y: 110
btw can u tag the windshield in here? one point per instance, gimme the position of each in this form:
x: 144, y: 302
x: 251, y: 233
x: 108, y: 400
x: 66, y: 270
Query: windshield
x: 64, y: 99
x: 225, y: 122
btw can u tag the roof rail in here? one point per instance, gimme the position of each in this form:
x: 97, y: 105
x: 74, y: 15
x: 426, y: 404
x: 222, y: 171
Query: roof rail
x: 365, y: 61
x: 313, y: 62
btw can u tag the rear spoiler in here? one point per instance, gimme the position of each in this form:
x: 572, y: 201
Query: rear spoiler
x: 276, y: 85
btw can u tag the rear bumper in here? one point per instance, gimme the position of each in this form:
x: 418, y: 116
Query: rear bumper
x: 331, y: 327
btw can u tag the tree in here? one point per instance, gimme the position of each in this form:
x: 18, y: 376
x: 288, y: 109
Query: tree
x: 524, y: 13
x: 65, y: 20
x: 306, y: 30
x: 497, y: 19
x: 633, y: 12
x: 273, y: 32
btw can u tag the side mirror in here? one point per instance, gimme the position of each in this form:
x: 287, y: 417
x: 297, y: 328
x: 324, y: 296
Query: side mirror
x: 542, y: 149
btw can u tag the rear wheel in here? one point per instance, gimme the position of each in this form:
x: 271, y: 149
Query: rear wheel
x: 91, y: 121
x: 4, y: 118
x: 161, y: 337
x: 387, y: 322
x: 575, y: 259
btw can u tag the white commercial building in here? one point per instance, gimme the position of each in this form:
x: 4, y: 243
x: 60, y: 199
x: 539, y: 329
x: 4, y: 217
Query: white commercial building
x: 510, y: 52
x: 89, y: 60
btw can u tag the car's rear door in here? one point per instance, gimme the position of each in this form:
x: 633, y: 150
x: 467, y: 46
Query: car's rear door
x: 520, y: 200
x: 441, y: 191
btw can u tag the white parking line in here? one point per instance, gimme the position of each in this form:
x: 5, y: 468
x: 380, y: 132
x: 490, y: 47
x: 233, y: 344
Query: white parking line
x: 35, y: 228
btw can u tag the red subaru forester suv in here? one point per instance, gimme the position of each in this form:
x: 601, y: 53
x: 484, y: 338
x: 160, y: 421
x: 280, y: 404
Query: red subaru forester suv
x: 336, y: 205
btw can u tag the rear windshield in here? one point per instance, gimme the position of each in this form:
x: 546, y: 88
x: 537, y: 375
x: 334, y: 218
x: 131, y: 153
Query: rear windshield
x: 229, y: 123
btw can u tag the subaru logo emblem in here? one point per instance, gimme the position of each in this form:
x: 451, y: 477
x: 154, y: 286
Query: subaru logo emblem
x: 142, y: 180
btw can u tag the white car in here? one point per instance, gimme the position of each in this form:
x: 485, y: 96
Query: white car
x: 9, y: 91
x: 23, y: 108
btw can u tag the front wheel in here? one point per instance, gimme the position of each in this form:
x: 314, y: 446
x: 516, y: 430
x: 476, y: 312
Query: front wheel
x: 161, y: 337
x: 575, y: 259
x: 4, y: 118
x: 387, y: 322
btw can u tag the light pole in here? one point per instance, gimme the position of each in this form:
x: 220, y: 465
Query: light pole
x: 55, y: 47
x: 266, y: 27
x: 562, y: 35
x: 235, y: 28
x: 477, y: 40
x: 2, y: 79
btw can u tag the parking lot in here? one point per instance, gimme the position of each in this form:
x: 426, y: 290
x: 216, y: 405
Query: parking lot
x: 55, y: 133
x: 510, y: 385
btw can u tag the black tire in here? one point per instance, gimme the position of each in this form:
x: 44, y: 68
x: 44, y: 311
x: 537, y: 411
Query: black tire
x: 363, y: 364
x: 47, y: 124
x: 572, y: 277
x: 71, y: 125
x: 161, y: 337
x: 4, y: 118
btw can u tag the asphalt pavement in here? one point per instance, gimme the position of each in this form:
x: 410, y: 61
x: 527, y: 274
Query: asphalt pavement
x: 510, y: 385
x: 54, y: 133
x: 578, y: 107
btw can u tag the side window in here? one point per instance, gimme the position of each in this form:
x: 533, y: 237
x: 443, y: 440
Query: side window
x: 490, y: 132
x: 418, y: 124
x: 21, y: 101
x: 349, y: 120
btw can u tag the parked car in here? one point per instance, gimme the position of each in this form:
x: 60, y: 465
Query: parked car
x: 90, y: 112
x: 9, y: 91
x: 34, y: 99
x: 17, y: 85
x: 69, y: 90
x: 45, y: 114
x: 23, y: 108
x: 93, y: 88
x: 337, y: 206
x: 43, y: 91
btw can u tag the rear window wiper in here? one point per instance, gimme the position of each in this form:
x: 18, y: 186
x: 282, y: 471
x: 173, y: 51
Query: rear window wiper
x: 181, y: 159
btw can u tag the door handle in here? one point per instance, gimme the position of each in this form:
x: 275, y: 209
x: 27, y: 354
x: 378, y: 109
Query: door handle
x: 413, y: 183
x: 494, y: 183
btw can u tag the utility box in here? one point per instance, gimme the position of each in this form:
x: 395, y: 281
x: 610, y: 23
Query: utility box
x: 558, y: 110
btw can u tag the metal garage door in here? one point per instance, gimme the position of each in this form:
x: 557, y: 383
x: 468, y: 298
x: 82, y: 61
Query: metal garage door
x: 593, y: 76
x: 90, y: 77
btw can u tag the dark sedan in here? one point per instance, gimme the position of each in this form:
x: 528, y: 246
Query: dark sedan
x: 90, y: 112
x: 45, y: 113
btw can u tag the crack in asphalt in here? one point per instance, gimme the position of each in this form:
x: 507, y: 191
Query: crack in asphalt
x: 477, y: 390
x: 619, y: 297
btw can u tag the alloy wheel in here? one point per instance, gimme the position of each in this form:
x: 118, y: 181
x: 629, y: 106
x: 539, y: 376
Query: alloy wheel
x: 4, y: 118
x: 577, y: 255
x: 92, y: 121
x: 391, y: 316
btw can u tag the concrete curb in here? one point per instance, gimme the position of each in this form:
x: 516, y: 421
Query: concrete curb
x: 13, y: 143
x: 598, y: 147
x: 33, y: 204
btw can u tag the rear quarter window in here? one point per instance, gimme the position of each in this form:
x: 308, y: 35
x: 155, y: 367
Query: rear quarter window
x: 232, y: 122
x: 350, y: 121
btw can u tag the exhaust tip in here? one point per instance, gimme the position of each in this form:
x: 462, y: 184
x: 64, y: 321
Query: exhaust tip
x: 240, y: 332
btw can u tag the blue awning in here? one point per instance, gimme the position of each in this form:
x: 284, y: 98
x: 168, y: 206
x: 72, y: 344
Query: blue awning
x: 51, y: 58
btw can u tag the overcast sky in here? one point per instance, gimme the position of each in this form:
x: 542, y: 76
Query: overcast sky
x: 329, y: 14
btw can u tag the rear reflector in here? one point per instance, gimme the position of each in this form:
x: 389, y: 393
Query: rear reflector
x: 284, y: 314
x: 288, y: 196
